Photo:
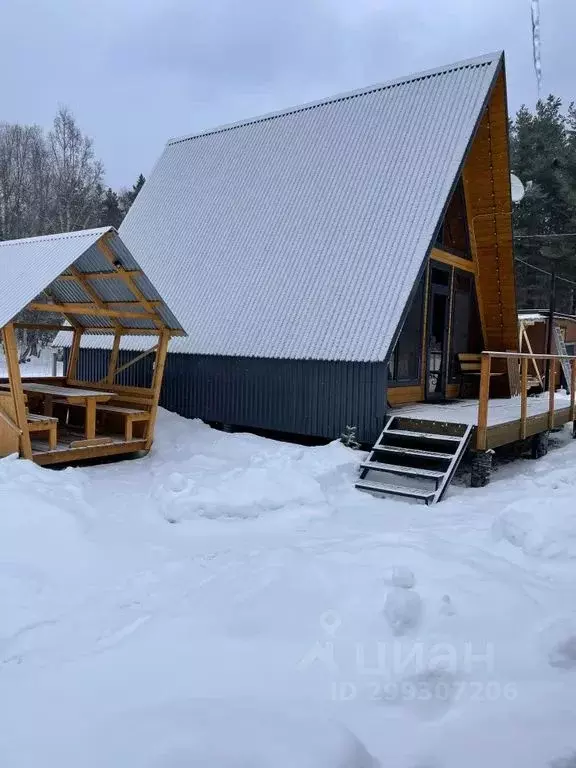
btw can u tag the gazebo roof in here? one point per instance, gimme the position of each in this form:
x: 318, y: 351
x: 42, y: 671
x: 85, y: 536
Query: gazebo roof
x: 90, y: 277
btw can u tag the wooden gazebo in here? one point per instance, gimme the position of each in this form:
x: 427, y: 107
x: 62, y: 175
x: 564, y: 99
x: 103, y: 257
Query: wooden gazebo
x: 91, y: 280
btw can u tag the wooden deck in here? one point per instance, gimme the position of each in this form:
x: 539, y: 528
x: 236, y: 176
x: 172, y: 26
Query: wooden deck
x: 64, y: 453
x: 504, y: 417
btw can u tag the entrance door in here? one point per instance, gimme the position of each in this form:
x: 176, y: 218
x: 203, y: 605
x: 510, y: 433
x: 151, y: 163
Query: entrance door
x: 438, y: 355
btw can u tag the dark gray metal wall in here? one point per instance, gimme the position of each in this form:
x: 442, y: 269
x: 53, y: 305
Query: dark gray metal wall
x: 306, y: 397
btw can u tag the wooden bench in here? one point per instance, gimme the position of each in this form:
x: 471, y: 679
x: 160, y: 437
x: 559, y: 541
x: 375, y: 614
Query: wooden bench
x: 39, y: 423
x: 131, y: 416
x: 471, y: 365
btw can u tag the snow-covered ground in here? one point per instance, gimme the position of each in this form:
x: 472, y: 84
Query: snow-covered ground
x: 37, y: 366
x: 233, y: 602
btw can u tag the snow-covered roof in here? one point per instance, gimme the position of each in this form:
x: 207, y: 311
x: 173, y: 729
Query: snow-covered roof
x: 33, y: 265
x: 131, y: 343
x: 302, y: 234
x: 542, y: 315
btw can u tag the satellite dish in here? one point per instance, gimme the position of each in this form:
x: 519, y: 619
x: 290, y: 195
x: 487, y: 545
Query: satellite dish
x: 517, y: 188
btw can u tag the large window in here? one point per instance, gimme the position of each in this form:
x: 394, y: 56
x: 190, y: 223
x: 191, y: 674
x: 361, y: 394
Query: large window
x: 466, y: 333
x: 404, y: 365
x: 453, y: 234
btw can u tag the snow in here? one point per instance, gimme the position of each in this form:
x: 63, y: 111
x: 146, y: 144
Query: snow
x: 37, y: 366
x: 500, y: 410
x: 536, y: 316
x: 233, y: 601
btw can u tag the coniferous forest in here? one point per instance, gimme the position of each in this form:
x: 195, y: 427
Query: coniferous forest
x: 543, y: 156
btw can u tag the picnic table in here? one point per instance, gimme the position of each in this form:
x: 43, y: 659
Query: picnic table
x: 86, y: 397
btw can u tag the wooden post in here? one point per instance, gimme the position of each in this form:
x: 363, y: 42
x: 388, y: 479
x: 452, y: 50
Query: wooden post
x: 74, y: 352
x: 523, y: 396
x: 551, y: 391
x: 572, y: 392
x: 11, y: 352
x: 159, y: 366
x: 113, y: 362
x: 90, y: 428
x: 481, y: 438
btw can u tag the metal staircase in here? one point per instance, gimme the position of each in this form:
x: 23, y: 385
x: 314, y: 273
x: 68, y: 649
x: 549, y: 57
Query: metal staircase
x: 408, y: 461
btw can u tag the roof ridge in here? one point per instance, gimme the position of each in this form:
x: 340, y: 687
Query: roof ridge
x: 478, y: 61
x: 56, y: 236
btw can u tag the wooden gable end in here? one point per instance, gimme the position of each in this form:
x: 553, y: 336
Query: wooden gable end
x: 486, y: 177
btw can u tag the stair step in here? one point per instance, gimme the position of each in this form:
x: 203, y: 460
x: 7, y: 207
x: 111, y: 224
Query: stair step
x: 413, y: 452
x: 395, y: 490
x: 422, y: 435
x: 395, y: 469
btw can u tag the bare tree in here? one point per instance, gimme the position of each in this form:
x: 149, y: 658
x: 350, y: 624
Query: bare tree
x: 24, y: 181
x: 48, y: 183
x: 77, y: 177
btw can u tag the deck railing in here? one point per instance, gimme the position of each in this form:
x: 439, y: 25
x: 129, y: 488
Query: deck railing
x: 524, y: 358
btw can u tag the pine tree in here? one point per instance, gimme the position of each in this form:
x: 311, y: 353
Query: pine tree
x: 543, y: 152
x: 111, y: 214
x: 128, y: 196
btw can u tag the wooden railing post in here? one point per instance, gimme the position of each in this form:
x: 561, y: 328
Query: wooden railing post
x: 523, y: 396
x: 15, y: 380
x: 481, y: 438
x: 551, y: 392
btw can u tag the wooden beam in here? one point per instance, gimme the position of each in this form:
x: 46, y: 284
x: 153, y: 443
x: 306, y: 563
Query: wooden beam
x: 100, y: 275
x: 113, y: 362
x: 90, y: 452
x: 43, y: 327
x: 123, y: 274
x: 551, y: 392
x: 483, y: 401
x: 11, y: 353
x: 89, y: 309
x: 467, y: 265
x: 536, y: 356
x: 91, y: 442
x: 74, y: 353
x: 159, y: 366
x: 134, y: 360
x: 523, y: 396
x: 529, y: 345
x: 119, y: 388
x: 90, y: 291
x: 100, y: 331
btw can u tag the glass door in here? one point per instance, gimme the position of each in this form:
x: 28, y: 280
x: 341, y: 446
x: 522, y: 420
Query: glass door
x: 437, y: 333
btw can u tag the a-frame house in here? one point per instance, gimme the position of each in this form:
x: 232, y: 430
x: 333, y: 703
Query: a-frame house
x: 339, y: 259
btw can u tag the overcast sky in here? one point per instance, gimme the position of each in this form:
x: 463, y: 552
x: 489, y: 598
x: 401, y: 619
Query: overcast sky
x: 137, y: 72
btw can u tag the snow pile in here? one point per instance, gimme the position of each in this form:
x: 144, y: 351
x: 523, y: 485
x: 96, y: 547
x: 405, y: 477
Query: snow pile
x: 288, y: 619
x: 216, y: 475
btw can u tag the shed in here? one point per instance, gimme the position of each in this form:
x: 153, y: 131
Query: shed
x: 90, y: 279
x: 332, y: 260
x: 533, y: 336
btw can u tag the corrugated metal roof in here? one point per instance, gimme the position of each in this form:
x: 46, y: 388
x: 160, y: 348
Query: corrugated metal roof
x: 130, y: 343
x: 33, y: 265
x: 301, y: 234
